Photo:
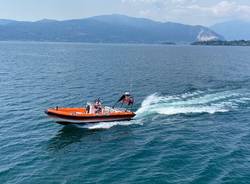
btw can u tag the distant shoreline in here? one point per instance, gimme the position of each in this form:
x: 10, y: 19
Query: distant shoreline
x: 223, y: 43
x: 94, y: 43
x: 241, y: 43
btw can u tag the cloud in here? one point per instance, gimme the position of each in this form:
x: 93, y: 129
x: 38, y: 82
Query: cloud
x: 157, y: 2
x: 158, y: 9
x: 191, y: 11
x: 224, y: 9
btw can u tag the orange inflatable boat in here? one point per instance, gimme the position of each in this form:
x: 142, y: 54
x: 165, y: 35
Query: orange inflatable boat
x: 92, y: 113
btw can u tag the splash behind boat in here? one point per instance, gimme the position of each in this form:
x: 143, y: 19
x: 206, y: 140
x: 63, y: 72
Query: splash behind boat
x: 92, y: 113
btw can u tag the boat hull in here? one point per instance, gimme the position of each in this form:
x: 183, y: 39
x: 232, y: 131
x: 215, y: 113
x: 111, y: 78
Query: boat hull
x: 73, y: 118
x: 79, y: 122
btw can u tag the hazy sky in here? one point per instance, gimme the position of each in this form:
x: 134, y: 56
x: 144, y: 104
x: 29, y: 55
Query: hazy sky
x: 204, y: 12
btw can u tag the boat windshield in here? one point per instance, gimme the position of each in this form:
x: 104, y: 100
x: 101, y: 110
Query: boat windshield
x: 93, y: 109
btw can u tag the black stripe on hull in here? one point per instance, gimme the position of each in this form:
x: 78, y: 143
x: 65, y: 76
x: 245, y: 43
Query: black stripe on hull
x: 89, y: 119
x: 62, y: 122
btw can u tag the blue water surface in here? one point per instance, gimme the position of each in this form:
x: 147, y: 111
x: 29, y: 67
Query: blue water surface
x: 192, y: 105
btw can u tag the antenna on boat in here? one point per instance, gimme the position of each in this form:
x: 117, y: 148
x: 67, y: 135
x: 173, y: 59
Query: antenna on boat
x: 130, y: 79
x: 130, y: 85
x: 130, y: 88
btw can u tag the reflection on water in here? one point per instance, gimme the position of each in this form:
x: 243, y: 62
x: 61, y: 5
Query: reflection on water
x: 81, y: 136
x: 68, y: 135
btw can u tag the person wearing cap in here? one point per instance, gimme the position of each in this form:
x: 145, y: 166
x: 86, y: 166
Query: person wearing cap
x: 126, y: 98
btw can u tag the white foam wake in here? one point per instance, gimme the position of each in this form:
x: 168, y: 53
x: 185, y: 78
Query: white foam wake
x: 187, y: 103
x: 197, y: 102
x: 107, y: 125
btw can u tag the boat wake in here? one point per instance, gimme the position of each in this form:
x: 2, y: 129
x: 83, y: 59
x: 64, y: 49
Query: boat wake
x: 191, y: 103
x: 198, y: 102
x: 107, y: 125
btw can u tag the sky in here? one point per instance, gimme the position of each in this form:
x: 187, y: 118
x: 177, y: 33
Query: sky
x: 202, y: 12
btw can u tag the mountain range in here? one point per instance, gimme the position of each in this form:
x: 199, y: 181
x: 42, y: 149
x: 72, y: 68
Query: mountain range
x: 233, y: 30
x: 105, y: 29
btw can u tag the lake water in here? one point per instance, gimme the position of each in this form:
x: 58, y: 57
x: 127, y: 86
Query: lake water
x: 192, y: 123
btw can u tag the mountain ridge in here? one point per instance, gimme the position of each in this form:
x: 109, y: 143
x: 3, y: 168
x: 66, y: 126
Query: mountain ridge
x: 113, y: 28
x: 233, y: 30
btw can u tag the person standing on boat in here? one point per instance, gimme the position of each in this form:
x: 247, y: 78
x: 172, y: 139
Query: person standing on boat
x: 98, y: 106
x: 126, y: 98
x: 88, y: 108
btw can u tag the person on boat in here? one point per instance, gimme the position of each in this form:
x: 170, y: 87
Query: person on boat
x: 98, y: 106
x: 126, y: 98
x: 88, y: 108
